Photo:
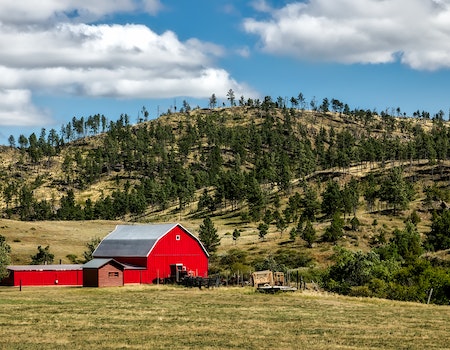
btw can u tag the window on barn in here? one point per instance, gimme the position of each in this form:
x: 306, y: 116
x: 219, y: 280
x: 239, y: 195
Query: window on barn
x: 177, y: 237
x: 113, y: 274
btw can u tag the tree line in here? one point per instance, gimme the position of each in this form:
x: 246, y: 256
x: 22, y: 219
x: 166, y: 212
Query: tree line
x: 232, y: 164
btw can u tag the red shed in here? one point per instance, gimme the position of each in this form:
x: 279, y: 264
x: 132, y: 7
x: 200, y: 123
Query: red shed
x: 148, y: 251
x: 103, y: 273
x: 44, y: 275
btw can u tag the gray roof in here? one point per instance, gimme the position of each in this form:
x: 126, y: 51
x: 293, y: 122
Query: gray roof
x: 61, y: 267
x: 99, y: 262
x: 96, y: 263
x: 132, y: 240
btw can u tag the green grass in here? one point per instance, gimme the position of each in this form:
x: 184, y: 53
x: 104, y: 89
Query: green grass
x: 160, y: 317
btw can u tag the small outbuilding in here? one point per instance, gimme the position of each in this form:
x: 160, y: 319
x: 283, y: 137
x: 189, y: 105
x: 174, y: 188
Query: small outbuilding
x: 103, y: 273
x: 44, y: 275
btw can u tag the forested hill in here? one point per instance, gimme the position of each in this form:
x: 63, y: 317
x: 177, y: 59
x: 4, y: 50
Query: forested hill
x: 247, y: 158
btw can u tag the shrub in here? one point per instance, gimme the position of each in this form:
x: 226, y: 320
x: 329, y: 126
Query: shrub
x: 360, y: 291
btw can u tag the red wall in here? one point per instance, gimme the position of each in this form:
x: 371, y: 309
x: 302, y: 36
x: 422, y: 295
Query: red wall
x: 168, y: 250
x: 136, y: 261
x: 132, y: 276
x: 48, y: 278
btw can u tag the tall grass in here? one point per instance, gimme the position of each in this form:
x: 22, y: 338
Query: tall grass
x: 161, y: 317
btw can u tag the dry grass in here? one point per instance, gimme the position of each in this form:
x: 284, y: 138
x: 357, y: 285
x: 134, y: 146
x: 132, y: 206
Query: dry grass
x: 63, y: 237
x: 160, y: 317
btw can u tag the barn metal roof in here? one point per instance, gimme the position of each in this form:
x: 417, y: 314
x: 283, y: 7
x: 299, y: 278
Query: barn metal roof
x: 131, y: 240
x: 61, y: 267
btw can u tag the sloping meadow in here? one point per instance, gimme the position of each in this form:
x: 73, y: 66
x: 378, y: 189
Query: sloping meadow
x: 156, y: 317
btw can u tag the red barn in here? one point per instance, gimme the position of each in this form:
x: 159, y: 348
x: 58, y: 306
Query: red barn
x: 44, y: 275
x: 148, y: 251
x: 131, y: 254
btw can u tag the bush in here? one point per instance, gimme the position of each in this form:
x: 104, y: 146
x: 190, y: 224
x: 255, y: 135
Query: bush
x: 360, y: 291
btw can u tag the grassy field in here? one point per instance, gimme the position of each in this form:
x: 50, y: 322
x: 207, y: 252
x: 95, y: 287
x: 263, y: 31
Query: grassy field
x: 157, y: 317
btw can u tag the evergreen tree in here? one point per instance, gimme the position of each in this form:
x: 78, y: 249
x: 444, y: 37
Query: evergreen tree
x: 280, y: 223
x: 91, y: 246
x: 5, y: 259
x: 236, y: 235
x: 396, y: 191
x: 310, y: 204
x: 309, y: 234
x: 231, y: 98
x: 351, y: 197
x: 331, y: 199
x: 354, y: 222
x: 205, y: 201
x: 407, y: 242
x: 263, y: 229
x: 439, y: 236
x: 208, y: 235
x: 335, y: 230
x: 12, y: 141
x: 26, y: 202
x: 370, y: 192
x: 255, y: 198
x: 213, y: 101
x: 42, y: 257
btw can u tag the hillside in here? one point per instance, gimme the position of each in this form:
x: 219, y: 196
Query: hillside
x: 242, y: 166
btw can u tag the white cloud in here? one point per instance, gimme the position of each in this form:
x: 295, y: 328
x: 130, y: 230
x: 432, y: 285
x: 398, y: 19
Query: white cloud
x: 28, y: 11
x: 416, y: 32
x: 44, y: 48
x: 16, y: 108
x: 125, y: 61
x: 243, y: 51
x: 261, y: 6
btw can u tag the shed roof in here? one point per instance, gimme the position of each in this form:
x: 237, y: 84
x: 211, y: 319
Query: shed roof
x: 99, y: 262
x: 96, y: 263
x: 61, y: 267
x: 134, y: 240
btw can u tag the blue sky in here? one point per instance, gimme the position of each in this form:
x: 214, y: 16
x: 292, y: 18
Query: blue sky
x: 66, y: 58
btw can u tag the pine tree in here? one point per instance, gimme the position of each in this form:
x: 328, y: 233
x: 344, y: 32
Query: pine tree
x: 439, y: 236
x: 42, y: 257
x: 5, y: 259
x: 309, y: 234
x: 236, y: 235
x: 331, y: 199
x: 91, y: 246
x: 263, y: 230
x: 335, y: 230
x: 396, y: 191
x: 208, y: 235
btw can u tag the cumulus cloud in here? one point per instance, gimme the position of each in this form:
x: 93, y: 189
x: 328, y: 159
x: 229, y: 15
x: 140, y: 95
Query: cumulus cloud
x: 416, y: 32
x: 28, y: 12
x: 46, y: 48
x: 16, y: 108
x: 109, y: 60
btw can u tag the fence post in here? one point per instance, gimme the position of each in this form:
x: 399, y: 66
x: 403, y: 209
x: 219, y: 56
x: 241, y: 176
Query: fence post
x: 429, y: 295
